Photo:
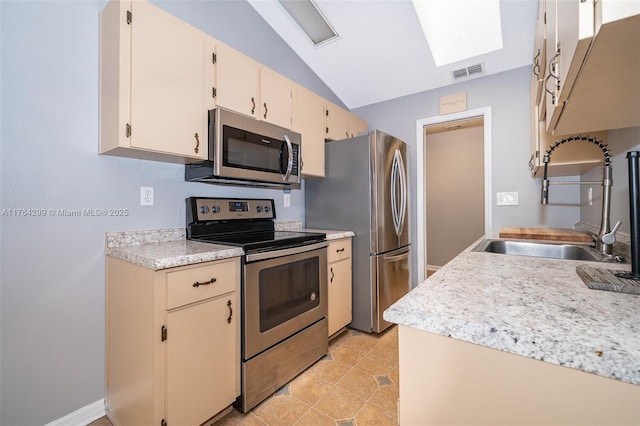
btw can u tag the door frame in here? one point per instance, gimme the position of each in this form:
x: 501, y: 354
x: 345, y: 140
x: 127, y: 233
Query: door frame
x: 485, y: 113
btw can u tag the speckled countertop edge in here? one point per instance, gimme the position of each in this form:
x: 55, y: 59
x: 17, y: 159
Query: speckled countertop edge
x: 534, y: 307
x: 158, y: 249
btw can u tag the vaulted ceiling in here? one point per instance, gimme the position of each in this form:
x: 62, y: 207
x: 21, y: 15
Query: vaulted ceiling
x: 382, y: 53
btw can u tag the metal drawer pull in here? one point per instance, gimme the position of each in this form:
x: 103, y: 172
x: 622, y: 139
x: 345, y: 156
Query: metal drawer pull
x: 339, y: 250
x: 253, y: 106
x: 265, y: 110
x: 198, y: 284
x: 332, y: 274
x: 230, y: 312
x: 197, y: 148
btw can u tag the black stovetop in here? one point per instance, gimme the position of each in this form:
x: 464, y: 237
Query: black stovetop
x: 261, y: 240
x: 246, y: 223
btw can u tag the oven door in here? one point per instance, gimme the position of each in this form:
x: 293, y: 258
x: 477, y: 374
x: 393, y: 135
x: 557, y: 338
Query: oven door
x: 284, y: 292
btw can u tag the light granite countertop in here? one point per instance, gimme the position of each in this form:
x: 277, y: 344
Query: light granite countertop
x: 333, y: 235
x: 164, y: 248
x: 167, y: 248
x: 534, y: 307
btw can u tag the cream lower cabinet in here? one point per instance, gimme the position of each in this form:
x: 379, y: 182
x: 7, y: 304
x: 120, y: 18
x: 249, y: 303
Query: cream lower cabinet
x: 340, y: 284
x: 155, y: 84
x: 173, y: 342
x: 444, y: 381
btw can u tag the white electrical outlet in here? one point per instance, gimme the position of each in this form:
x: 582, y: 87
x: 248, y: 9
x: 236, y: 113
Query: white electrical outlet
x: 287, y: 200
x: 146, y: 196
x: 507, y: 198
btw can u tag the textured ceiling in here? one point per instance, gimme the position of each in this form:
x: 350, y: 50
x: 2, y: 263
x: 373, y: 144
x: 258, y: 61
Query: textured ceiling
x: 382, y: 53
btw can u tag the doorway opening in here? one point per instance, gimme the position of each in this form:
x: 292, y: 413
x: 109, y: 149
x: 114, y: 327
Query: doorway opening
x: 453, y: 185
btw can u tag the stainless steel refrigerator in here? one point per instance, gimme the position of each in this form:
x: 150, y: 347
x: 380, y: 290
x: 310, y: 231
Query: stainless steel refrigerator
x: 365, y: 190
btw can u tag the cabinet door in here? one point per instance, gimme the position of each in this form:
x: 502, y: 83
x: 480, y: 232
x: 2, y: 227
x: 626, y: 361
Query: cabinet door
x: 570, y: 29
x: 168, y: 80
x: 202, y: 356
x: 275, y: 98
x: 339, y: 295
x: 337, y: 122
x: 309, y: 121
x: 357, y: 125
x: 237, y: 78
x: 340, y: 284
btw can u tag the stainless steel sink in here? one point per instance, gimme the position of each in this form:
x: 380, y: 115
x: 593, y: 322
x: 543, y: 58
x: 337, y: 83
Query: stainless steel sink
x: 543, y: 249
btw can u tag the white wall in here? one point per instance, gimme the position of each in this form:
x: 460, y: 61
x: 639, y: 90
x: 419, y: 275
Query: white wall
x: 52, y: 268
x: 507, y: 94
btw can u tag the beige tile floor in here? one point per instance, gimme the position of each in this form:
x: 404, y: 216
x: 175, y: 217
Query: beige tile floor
x: 356, y: 383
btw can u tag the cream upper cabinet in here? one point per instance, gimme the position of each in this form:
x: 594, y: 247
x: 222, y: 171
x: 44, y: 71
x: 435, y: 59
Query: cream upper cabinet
x: 357, y: 125
x: 237, y: 81
x: 593, y: 54
x: 337, y: 122
x: 340, y: 284
x: 173, y: 342
x: 275, y: 98
x: 540, y: 54
x: 309, y: 120
x: 154, y: 78
x: 246, y: 86
x: 569, y: 31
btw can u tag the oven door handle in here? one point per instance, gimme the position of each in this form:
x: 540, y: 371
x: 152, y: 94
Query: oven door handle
x: 285, y: 252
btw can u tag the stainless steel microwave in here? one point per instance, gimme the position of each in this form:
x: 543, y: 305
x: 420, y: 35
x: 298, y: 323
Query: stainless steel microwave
x: 246, y: 151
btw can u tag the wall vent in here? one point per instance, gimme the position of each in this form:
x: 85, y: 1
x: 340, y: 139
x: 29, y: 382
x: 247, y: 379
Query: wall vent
x: 467, y: 72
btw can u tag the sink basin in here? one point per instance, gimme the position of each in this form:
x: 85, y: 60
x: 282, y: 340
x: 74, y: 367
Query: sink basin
x: 541, y: 249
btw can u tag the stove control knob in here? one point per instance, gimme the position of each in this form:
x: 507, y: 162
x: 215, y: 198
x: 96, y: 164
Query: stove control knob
x: 204, y: 209
x: 215, y: 209
x: 266, y: 209
x: 259, y: 209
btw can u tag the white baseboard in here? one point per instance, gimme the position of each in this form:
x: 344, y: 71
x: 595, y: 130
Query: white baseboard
x: 82, y: 416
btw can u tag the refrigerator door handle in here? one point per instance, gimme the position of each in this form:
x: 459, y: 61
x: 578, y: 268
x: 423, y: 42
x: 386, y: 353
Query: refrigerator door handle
x: 394, y: 196
x: 397, y: 257
x: 403, y: 191
x: 398, y: 181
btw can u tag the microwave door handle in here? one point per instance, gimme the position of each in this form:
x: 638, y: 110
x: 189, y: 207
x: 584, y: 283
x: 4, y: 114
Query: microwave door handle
x: 285, y: 177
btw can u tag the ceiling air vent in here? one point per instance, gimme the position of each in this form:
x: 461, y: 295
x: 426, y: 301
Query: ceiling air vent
x: 468, y: 72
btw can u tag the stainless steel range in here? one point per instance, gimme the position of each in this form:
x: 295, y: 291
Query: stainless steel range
x: 284, y: 290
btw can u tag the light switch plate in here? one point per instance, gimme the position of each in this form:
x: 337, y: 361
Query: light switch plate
x: 507, y: 198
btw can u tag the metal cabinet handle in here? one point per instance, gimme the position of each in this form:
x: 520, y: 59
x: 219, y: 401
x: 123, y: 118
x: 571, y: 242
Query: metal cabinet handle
x: 551, y: 92
x: 536, y: 65
x: 197, y: 148
x: 211, y: 281
x: 332, y: 275
x: 265, y: 110
x: 230, y: 312
x: 531, y: 163
x: 340, y: 250
x: 253, y: 105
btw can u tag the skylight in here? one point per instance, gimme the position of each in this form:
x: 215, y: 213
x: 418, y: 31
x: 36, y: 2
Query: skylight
x: 310, y: 19
x: 460, y: 29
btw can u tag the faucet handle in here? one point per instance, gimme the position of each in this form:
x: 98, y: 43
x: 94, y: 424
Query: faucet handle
x: 610, y: 237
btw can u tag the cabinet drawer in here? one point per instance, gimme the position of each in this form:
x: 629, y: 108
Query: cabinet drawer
x: 338, y: 250
x: 202, y: 282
